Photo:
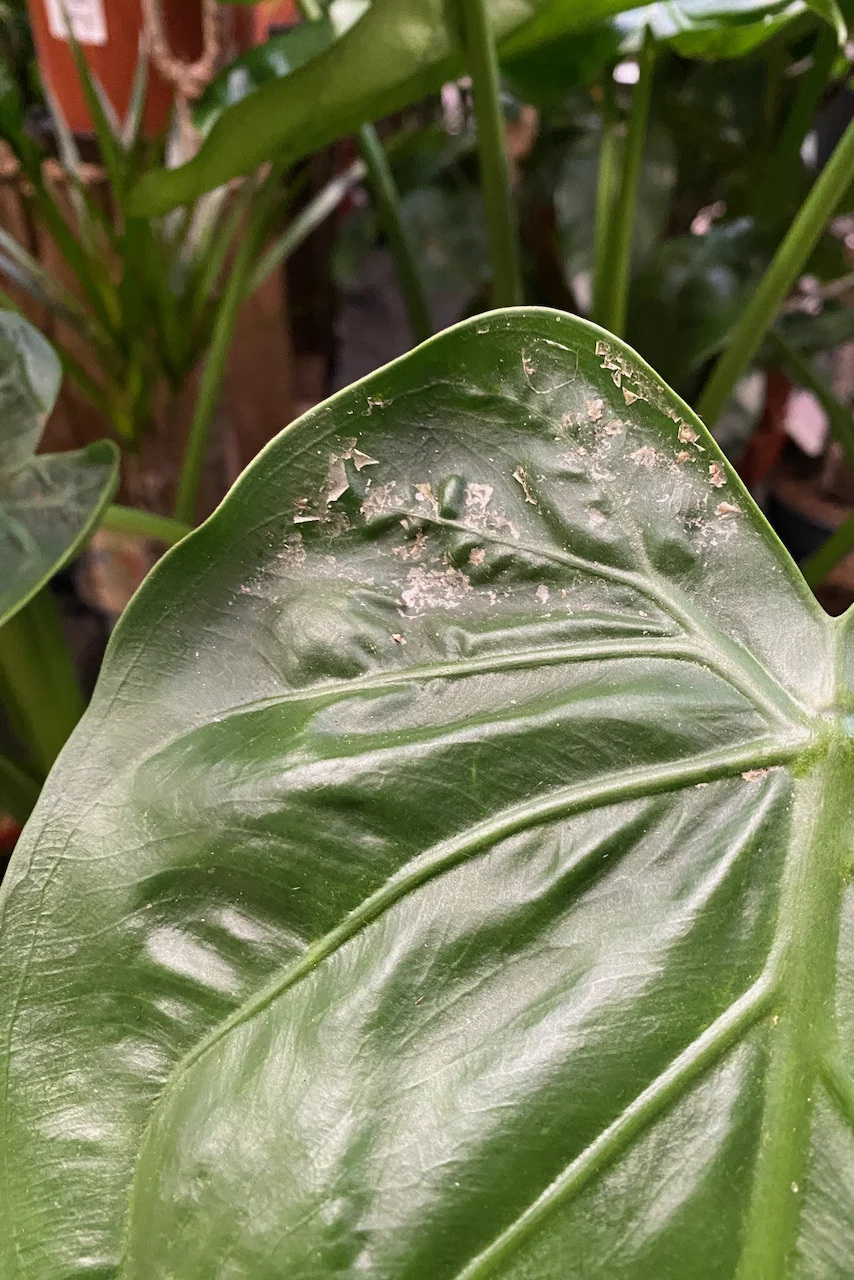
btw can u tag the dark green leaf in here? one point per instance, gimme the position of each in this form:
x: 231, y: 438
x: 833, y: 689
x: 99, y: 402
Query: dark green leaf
x: 451, y: 876
x: 689, y: 295
x: 48, y: 502
x: 396, y: 52
x: 720, y: 28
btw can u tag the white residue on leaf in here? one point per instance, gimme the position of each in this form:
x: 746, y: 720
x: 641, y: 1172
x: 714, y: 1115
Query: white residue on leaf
x: 717, y: 476
x: 434, y: 589
x: 542, y: 593
x: 686, y: 434
x: 379, y: 499
x: 521, y: 478
x: 724, y: 509
x: 645, y: 456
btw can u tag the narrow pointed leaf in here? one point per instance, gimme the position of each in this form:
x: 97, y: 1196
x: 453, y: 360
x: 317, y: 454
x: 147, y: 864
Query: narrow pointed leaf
x: 451, y: 876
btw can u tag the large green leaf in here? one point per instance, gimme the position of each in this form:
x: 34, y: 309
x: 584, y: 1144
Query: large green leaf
x: 710, y: 29
x: 292, y: 103
x: 48, y: 502
x: 720, y: 28
x: 451, y: 877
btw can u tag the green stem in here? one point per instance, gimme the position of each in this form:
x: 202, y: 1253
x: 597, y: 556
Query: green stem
x: 614, y: 287
x: 19, y: 791
x: 817, y: 566
x: 391, y: 221
x: 785, y: 267
x: 801, y: 371
x: 491, y: 135
x: 38, y: 681
x: 130, y: 520
x: 786, y: 157
x: 607, y: 189
x: 214, y: 370
x: 307, y: 220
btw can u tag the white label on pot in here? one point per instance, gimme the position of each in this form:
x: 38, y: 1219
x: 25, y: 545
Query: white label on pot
x: 86, y: 16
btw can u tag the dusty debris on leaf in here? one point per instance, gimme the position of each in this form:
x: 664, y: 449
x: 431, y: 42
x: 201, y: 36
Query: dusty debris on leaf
x: 413, y: 550
x: 302, y: 511
x: 379, y: 499
x: 682, y: 456
x: 686, y: 434
x: 630, y: 396
x: 521, y: 478
x: 645, y: 456
x: 424, y: 494
x: 434, y: 588
x: 477, y: 555
x: 595, y: 410
x: 717, y: 476
x: 724, y: 509
x: 753, y: 775
x: 293, y: 552
x: 542, y: 593
x: 398, y: 638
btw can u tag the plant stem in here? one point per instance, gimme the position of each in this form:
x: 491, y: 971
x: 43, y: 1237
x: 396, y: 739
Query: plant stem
x: 786, y: 157
x: 130, y: 520
x: 607, y: 188
x: 214, y: 369
x: 785, y: 267
x: 817, y: 566
x: 19, y: 791
x: 491, y: 136
x: 311, y: 216
x: 617, y: 267
x: 38, y: 681
x: 391, y: 221
x: 802, y: 372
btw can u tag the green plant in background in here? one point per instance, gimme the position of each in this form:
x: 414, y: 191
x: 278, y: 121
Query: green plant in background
x: 49, y: 503
x: 152, y: 297
x: 451, y: 875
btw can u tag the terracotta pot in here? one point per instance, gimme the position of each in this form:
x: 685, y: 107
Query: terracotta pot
x: 109, y: 32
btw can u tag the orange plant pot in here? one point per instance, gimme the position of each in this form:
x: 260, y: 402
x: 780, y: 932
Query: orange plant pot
x: 109, y: 32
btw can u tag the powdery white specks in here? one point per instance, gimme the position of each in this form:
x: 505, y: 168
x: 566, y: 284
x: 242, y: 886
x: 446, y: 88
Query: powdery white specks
x: 645, y: 456
x: 379, y: 499
x: 477, y: 555
x: 724, y: 509
x: 434, y: 589
x: 521, y: 478
x: 717, y: 477
x: 413, y: 550
x: 542, y: 593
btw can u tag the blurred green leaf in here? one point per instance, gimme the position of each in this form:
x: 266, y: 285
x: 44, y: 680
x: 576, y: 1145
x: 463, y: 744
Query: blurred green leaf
x: 575, y: 195
x: 395, y: 53
x: 48, y: 502
x: 685, y: 301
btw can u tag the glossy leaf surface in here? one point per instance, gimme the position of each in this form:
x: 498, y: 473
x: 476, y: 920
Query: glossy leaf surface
x: 720, y: 28
x: 395, y: 53
x: 48, y: 502
x: 451, y: 875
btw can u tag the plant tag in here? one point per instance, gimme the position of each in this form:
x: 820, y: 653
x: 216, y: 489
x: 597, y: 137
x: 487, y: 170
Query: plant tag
x: 86, y: 16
